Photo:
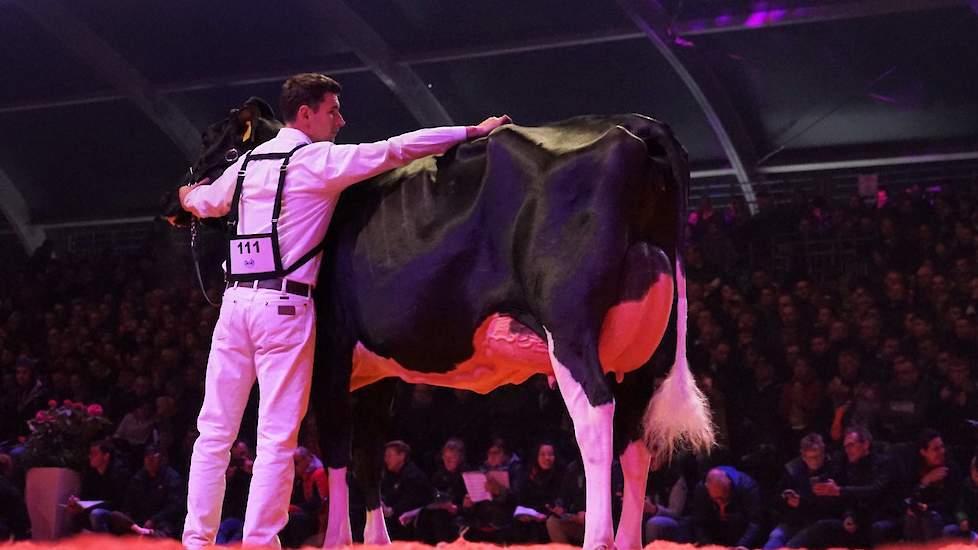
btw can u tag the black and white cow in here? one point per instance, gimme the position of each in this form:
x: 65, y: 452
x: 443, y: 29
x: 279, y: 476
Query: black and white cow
x: 535, y: 250
x: 245, y: 127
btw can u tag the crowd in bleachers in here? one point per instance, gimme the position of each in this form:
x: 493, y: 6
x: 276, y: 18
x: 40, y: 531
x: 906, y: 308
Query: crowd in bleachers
x: 843, y: 401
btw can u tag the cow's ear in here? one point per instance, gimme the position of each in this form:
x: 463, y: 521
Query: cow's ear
x: 247, y: 118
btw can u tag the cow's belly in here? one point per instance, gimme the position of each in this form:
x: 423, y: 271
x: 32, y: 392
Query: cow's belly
x: 507, y: 352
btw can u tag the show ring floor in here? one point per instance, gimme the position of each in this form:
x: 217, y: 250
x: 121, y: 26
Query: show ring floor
x: 100, y: 542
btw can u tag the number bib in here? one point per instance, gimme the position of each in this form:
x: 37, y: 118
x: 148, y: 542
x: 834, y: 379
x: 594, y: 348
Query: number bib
x: 251, y: 254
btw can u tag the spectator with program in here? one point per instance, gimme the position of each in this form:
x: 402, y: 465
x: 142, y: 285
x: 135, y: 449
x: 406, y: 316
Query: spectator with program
x: 491, y: 520
x: 439, y: 521
x: 537, y: 489
x: 404, y: 490
x: 104, y: 483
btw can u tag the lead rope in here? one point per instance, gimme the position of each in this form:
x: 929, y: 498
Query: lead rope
x: 194, y: 233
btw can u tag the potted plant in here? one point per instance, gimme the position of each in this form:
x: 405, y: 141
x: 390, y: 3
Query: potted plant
x: 56, y: 450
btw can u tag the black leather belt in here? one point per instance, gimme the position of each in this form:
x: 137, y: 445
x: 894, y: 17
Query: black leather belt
x: 292, y: 287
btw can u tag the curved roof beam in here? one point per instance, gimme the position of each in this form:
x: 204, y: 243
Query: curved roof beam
x: 651, y: 18
x: 14, y: 208
x: 84, y: 43
x: 720, y: 24
x: 371, y: 48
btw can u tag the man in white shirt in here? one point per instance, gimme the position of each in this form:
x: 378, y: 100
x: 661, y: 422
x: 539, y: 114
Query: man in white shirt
x: 266, y: 329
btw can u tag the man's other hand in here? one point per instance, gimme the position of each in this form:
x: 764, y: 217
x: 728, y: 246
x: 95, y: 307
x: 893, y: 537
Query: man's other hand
x: 486, y: 126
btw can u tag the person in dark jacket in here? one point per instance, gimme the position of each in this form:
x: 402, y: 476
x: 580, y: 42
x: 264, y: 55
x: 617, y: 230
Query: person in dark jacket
x: 156, y: 496
x: 934, y: 495
x: 105, y: 480
x: 797, y: 505
x: 404, y: 490
x: 667, y: 495
x: 727, y: 509
x: 14, y: 523
x: 23, y: 400
x: 538, y: 489
x: 565, y: 525
x: 439, y: 521
x: 966, y: 509
x: 862, y: 497
x: 237, y: 481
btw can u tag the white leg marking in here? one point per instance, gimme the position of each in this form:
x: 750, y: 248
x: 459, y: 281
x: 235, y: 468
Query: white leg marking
x: 375, y: 530
x: 338, y: 532
x: 635, y: 467
x: 593, y: 429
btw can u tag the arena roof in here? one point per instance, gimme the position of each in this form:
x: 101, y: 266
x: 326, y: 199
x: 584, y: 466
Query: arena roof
x: 102, y: 101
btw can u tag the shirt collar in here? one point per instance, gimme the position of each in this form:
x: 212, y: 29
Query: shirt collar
x: 293, y: 134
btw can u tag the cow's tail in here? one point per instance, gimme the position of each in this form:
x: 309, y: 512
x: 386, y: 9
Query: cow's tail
x: 678, y: 416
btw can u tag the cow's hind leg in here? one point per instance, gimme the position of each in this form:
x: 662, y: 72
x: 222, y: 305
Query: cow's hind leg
x: 631, y: 397
x: 593, y: 430
x: 635, y: 469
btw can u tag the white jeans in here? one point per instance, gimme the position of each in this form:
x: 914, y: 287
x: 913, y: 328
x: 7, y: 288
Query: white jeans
x: 266, y: 335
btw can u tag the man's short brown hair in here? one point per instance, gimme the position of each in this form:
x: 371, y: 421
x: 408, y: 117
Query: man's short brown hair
x: 305, y: 89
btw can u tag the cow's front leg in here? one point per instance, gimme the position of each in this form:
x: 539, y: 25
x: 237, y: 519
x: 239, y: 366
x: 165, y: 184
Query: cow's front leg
x: 338, y: 531
x: 371, y: 409
x: 332, y: 408
x: 593, y: 426
x: 635, y: 469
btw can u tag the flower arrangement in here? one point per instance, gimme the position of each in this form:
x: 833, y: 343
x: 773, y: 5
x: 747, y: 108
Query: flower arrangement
x: 61, y: 435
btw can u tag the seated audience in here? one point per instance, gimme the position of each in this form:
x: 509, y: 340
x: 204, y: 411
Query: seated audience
x: 14, y: 523
x: 491, y: 520
x: 440, y: 520
x: 865, y: 511
x: 237, y: 485
x: 309, y: 497
x: 404, y: 490
x: 565, y: 524
x: 104, y: 482
x: 666, y: 501
x: 727, y: 509
x: 536, y: 491
x: 157, y: 496
x: 933, y: 498
x: 796, y: 504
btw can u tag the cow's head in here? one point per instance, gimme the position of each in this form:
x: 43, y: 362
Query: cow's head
x: 222, y: 143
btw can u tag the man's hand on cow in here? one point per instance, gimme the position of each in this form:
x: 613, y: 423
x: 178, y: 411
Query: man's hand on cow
x: 486, y: 126
x: 185, y: 190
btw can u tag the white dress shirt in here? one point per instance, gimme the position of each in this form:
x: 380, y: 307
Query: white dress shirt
x: 316, y: 175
